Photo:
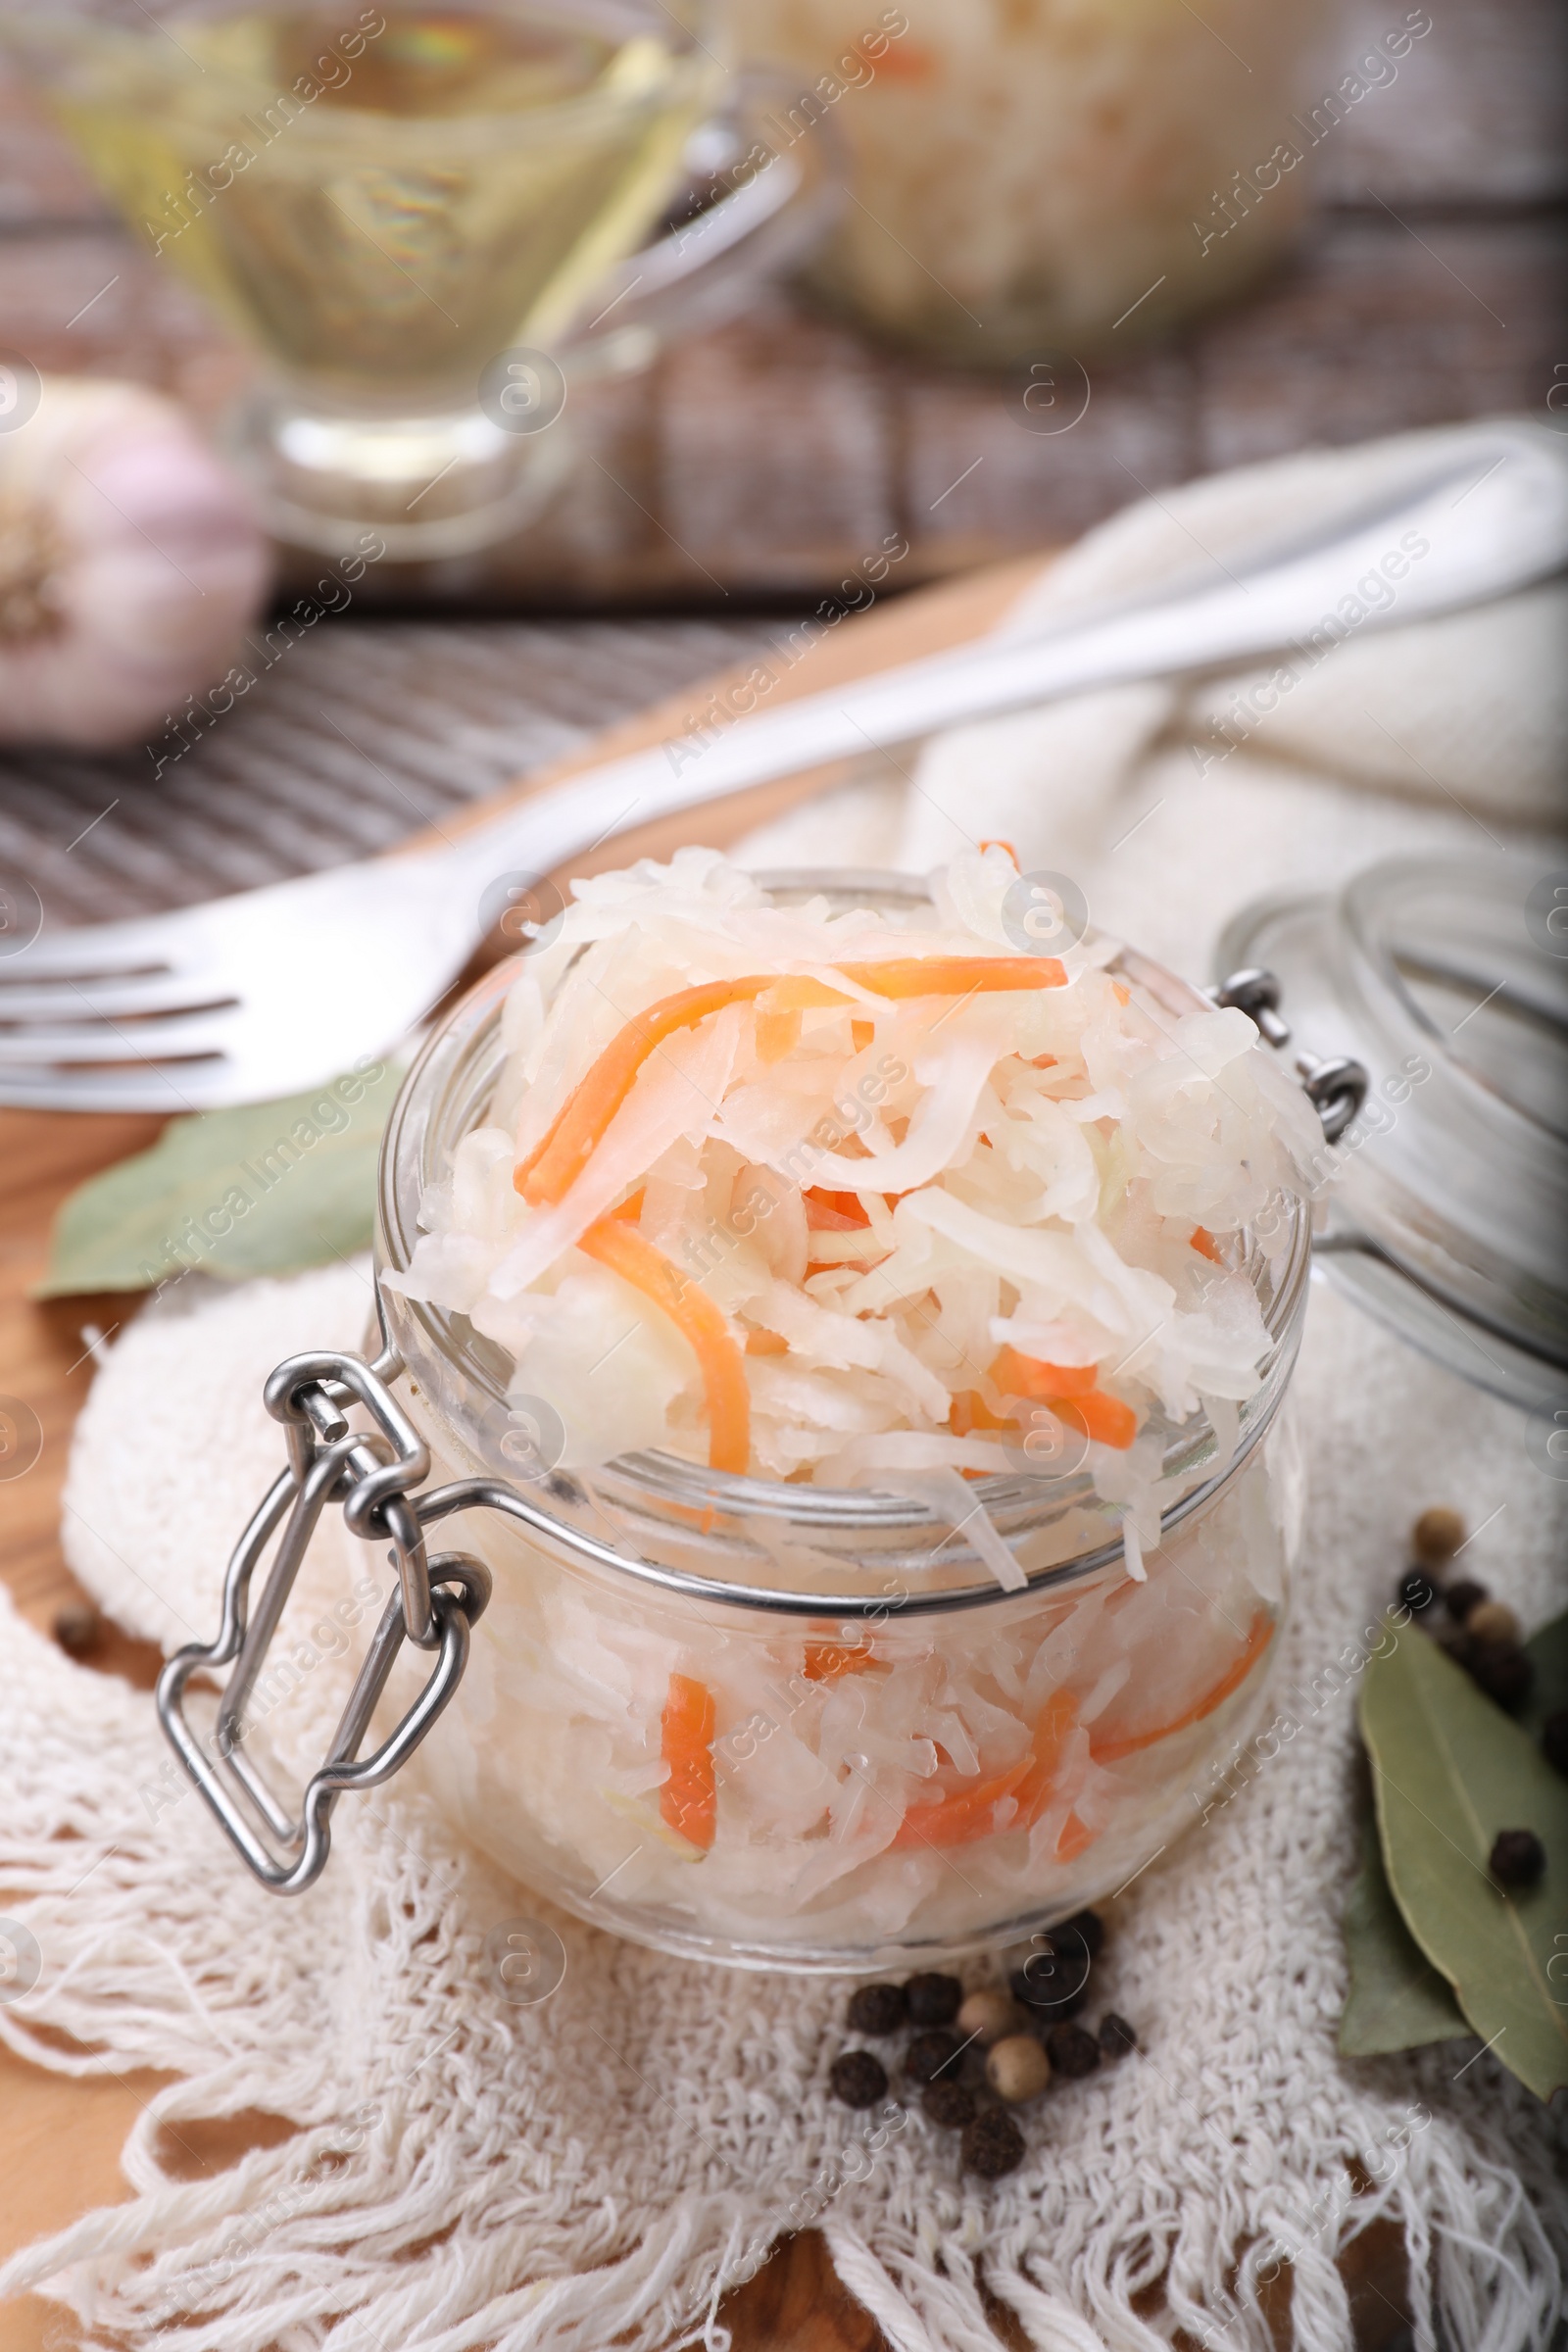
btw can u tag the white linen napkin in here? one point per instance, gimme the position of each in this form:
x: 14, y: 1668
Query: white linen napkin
x: 1172, y: 805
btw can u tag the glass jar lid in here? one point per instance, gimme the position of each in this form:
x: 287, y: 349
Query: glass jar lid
x: 1447, y: 1210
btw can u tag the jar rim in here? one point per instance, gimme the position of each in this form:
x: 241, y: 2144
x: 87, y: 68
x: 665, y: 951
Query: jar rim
x: 692, y: 1491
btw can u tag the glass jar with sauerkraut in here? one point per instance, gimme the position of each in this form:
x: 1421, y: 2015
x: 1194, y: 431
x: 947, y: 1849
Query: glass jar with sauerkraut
x: 886, y: 1329
x: 1040, y: 177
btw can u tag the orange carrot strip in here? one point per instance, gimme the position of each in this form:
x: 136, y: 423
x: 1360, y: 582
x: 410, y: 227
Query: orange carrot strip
x: 699, y: 1323
x: 766, y: 1342
x: 559, y: 1158
x: 861, y: 1033
x: 688, y: 1801
x: 970, y: 1411
x: 1204, y: 1241
x: 970, y: 1813
x: 1074, y: 1839
x: 955, y: 975
x: 826, y: 1662
x: 999, y: 844
x: 834, y: 1213
x: 909, y: 62
x: 1123, y: 996
x: 958, y: 1819
x: 1104, y: 1418
x: 630, y: 1208
x: 1054, y: 1722
x: 777, y: 1035
x: 798, y: 992
x: 1259, y: 1636
x: 1026, y: 1376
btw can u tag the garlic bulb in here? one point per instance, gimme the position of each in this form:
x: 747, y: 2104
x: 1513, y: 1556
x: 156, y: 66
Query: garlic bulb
x: 130, y: 562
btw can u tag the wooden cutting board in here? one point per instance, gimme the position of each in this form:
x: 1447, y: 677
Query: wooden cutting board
x: 59, y: 2150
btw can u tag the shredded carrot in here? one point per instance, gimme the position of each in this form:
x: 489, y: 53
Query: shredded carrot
x: 630, y: 1208
x: 970, y: 1411
x: 1070, y: 1392
x: 1123, y: 996
x: 699, y: 1322
x: 766, y: 1342
x: 1074, y: 1839
x: 567, y: 1145
x: 999, y: 844
x: 1052, y: 1726
x: 861, y: 1034
x: 777, y: 1035
x: 1259, y: 1636
x: 797, y: 992
x: 1100, y: 1416
x: 909, y: 62
x: 970, y: 1813
x: 826, y: 1662
x: 956, y: 975
x: 1026, y: 1376
x: 688, y: 1801
x: 559, y: 1158
x: 1204, y: 1241
x: 834, y: 1213
x: 1043, y: 1061
x: 957, y: 1819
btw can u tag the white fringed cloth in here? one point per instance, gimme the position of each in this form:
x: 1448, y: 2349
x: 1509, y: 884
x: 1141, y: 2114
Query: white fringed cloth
x: 469, y: 2173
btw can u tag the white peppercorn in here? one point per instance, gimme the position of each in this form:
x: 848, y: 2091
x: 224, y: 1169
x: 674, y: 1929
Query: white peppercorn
x: 1017, y: 2069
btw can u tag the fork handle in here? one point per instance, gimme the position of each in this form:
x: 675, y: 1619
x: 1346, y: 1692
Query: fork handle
x: 1490, y: 514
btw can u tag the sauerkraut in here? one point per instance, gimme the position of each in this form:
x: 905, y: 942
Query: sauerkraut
x: 1035, y: 177
x: 830, y: 1197
x: 842, y: 1198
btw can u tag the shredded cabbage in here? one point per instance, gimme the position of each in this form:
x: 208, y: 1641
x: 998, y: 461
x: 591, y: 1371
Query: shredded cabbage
x: 935, y: 1226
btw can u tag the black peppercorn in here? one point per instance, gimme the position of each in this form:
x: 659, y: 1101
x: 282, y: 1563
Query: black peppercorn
x: 876, y: 2009
x: 1517, y: 1858
x: 1502, y: 1670
x: 1072, y: 2051
x: 78, y: 1628
x: 1463, y: 1595
x: 858, y: 2079
x: 1087, y: 1924
x: 1554, y: 1740
x: 993, y: 2145
x: 933, y: 2000
x: 930, y: 2054
x: 948, y: 2103
x: 1117, y: 2036
x: 1053, y: 1982
x: 1416, y: 1590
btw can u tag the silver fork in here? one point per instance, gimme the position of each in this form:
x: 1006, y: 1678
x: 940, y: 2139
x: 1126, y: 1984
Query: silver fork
x: 278, y: 990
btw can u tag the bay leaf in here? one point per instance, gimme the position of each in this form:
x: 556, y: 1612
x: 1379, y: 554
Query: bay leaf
x: 1547, y: 1652
x: 266, y: 1189
x: 1450, y: 1770
x: 1397, y: 2001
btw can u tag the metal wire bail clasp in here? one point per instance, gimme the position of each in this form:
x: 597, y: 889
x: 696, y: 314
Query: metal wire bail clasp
x: 435, y: 1602
x: 1335, y: 1088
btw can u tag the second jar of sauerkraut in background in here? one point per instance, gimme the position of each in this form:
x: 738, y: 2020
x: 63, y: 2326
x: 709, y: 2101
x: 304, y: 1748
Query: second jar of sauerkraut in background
x: 1045, y: 174
x: 825, y: 1726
